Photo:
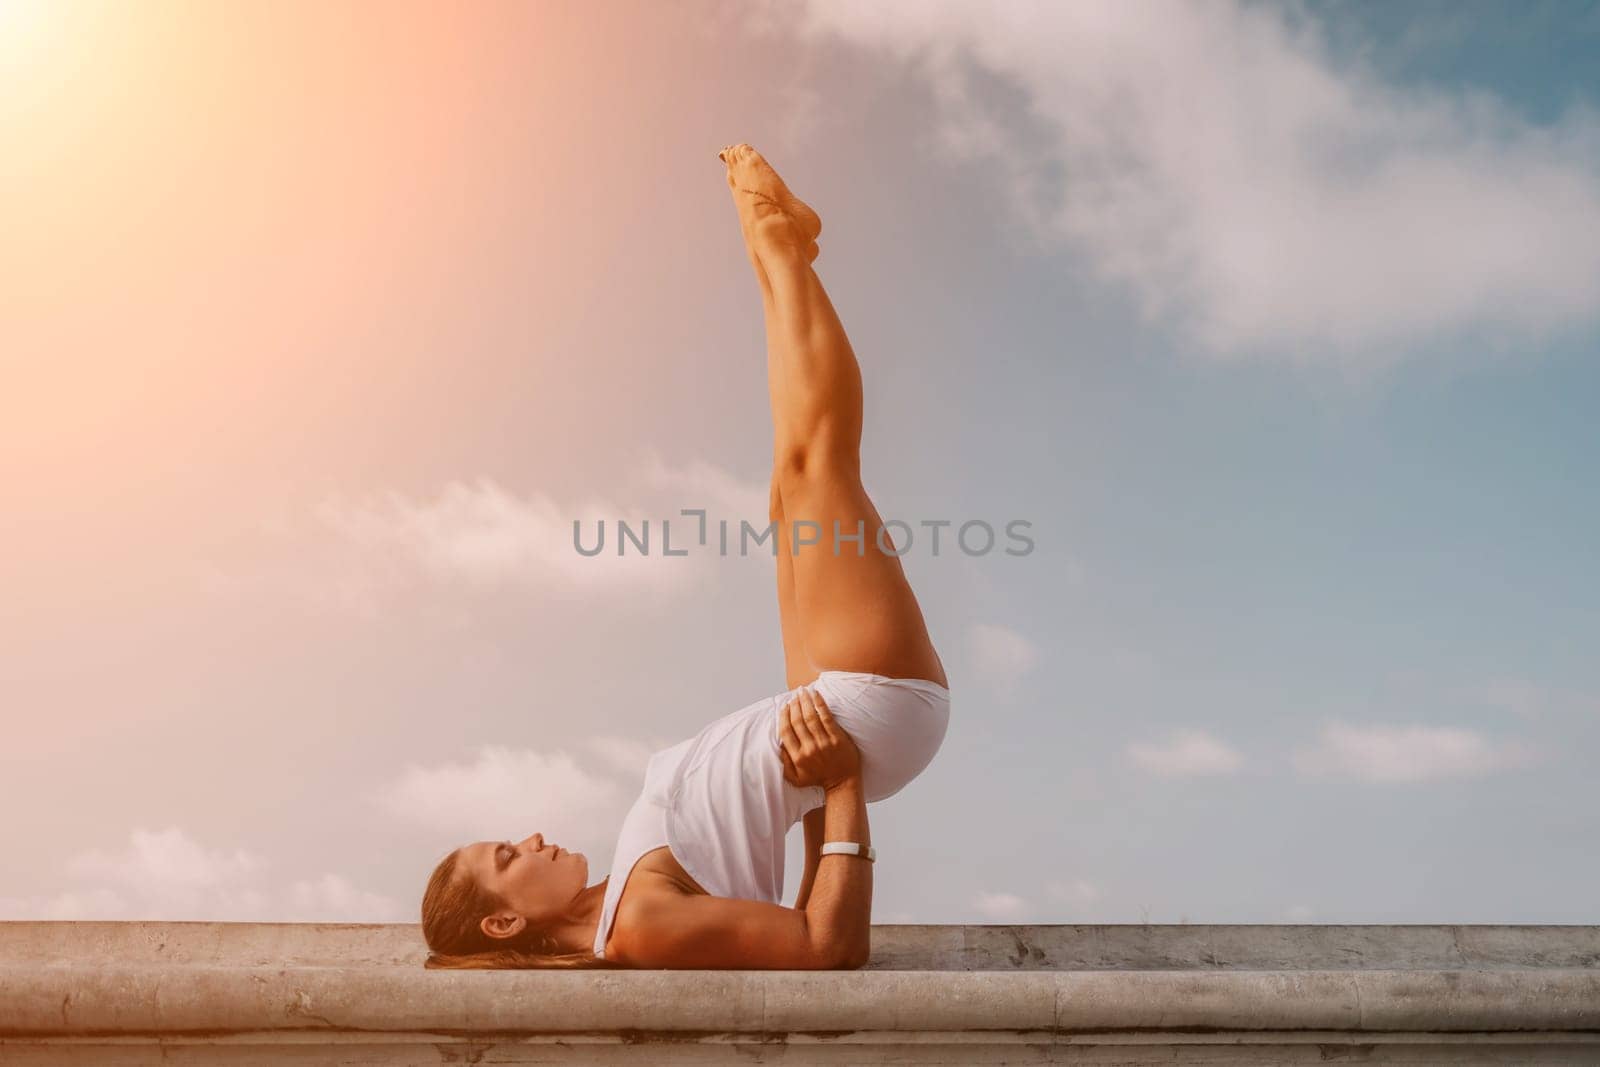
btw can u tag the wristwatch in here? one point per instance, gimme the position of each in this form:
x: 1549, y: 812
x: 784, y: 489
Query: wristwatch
x: 849, y: 848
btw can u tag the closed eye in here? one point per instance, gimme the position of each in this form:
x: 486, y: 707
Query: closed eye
x: 502, y: 856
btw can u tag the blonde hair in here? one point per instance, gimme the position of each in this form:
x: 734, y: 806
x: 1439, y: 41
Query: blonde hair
x: 453, y: 908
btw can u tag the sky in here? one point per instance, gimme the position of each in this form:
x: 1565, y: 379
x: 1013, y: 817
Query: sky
x: 321, y: 324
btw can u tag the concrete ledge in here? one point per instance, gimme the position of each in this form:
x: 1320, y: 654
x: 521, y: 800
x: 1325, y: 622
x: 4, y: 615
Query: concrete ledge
x: 320, y: 993
x: 158, y: 1000
x: 902, y: 948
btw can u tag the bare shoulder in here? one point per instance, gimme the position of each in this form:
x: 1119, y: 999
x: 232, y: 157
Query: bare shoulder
x: 666, y: 920
x: 662, y: 866
x: 656, y: 878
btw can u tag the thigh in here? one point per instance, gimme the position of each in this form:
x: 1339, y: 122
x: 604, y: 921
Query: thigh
x: 898, y: 724
x: 856, y: 609
x: 798, y: 669
x: 797, y: 665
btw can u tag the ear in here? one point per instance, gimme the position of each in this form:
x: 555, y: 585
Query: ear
x: 503, y: 924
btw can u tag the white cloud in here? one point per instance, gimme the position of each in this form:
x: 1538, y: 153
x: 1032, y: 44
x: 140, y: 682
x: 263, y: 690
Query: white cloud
x: 479, y: 531
x: 484, y: 535
x: 167, y: 875
x: 505, y: 792
x: 1219, y: 163
x: 1076, y: 892
x: 1005, y: 907
x: 1001, y: 654
x: 1515, y: 695
x: 72, y: 905
x: 332, y: 898
x: 167, y: 858
x: 1185, y: 753
x: 1390, y: 754
x: 624, y: 755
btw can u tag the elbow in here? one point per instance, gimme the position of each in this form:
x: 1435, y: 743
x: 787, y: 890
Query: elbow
x: 850, y: 957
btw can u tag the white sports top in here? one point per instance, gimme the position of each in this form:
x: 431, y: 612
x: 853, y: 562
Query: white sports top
x: 719, y: 799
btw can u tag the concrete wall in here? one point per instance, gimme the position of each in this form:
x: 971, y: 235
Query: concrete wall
x: 264, y: 993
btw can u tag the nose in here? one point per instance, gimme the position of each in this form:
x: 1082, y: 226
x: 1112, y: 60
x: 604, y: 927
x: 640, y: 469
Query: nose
x: 536, y: 841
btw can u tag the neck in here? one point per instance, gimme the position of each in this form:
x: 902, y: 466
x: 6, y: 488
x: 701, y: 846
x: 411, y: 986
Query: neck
x: 575, y: 932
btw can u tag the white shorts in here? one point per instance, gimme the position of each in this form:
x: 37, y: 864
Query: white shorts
x: 897, y: 723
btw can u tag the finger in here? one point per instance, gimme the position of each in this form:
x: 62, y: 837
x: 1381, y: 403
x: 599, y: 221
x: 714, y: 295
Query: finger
x: 808, y: 719
x: 790, y: 775
x: 800, y: 737
x: 786, y: 726
x: 830, y: 725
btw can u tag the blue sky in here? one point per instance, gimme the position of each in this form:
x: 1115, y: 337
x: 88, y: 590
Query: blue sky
x: 1279, y: 326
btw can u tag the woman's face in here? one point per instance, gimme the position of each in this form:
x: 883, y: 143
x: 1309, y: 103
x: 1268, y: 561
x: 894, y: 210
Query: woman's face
x: 537, y: 880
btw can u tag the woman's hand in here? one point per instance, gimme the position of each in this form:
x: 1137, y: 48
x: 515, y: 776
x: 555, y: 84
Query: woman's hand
x: 814, y: 748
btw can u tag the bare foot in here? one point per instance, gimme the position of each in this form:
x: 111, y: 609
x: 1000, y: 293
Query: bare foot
x: 757, y: 190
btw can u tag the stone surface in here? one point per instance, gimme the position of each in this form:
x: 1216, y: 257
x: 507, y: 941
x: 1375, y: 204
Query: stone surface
x: 910, y: 947
x: 271, y: 993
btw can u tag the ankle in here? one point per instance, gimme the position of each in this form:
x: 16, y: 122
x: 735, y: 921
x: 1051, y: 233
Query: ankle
x: 778, y: 247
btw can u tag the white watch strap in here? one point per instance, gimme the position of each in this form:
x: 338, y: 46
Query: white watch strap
x: 848, y: 848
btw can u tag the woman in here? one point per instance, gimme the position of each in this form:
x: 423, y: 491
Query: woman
x: 698, y: 869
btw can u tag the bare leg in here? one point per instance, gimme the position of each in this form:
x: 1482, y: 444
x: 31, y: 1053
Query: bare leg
x: 798, y: 669
x: 855, y: 609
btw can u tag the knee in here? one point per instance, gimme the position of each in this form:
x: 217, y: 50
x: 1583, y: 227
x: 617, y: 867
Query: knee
x: 804, y: 466
x: 793, y: 466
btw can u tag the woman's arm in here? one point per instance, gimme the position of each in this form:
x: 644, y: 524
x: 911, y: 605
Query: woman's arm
x: 833, y: 930
x: 841, y: 899
x: 814, y: 831
x: 839, y: 895
x: 834, y: 927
